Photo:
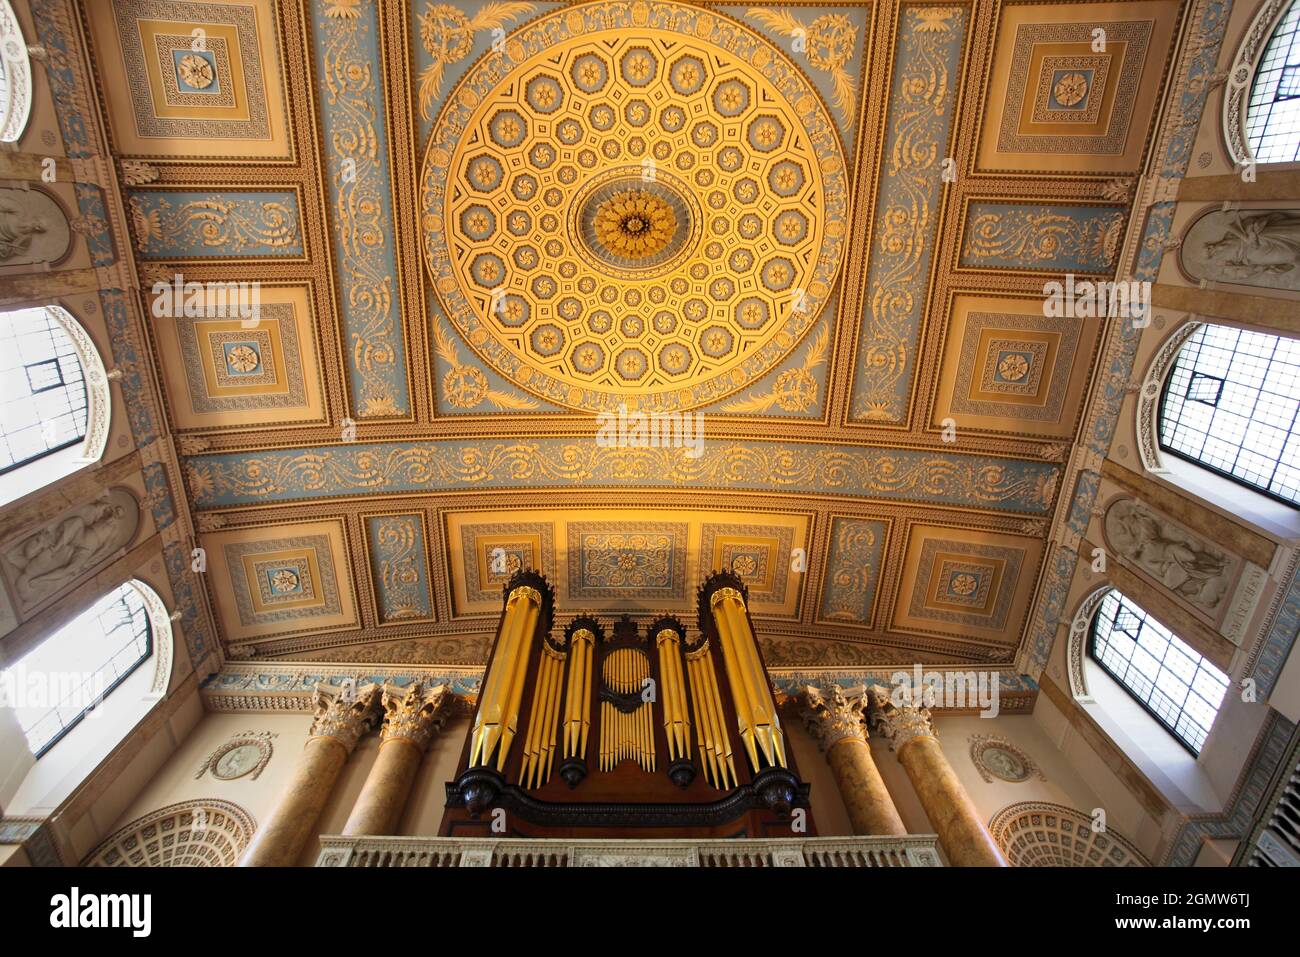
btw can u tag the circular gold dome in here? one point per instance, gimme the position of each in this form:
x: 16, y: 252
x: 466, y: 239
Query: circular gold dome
x: 633, y: 203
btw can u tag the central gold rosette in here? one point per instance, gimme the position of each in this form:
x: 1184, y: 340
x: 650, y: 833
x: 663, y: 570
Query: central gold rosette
x: 634, y: 224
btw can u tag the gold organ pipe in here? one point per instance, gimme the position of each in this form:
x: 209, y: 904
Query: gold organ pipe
x: 552, y: 715
x: 531, y: 614
x: 587, y: 657
x: 760, y: 727
x: 541, y: 729
x: 498, y: 712
x: 676, y: 720
x: 702, y: 730
x: 578, y: 694
x: 725, y: 760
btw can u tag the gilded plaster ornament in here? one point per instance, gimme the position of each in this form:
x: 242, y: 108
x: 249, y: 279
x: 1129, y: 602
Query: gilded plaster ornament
x: 829, y: 41
x: 345, y: 712
x: 447, y: 35
x: 414, y: 713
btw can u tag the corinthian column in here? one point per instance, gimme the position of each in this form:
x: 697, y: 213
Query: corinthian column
x: 340, y: 720
x: 836, y: 721
x: 962, y: 834
x: 412, y: 716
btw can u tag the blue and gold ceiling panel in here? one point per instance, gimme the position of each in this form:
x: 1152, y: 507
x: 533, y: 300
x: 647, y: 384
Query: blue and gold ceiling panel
x: 1064, y: 98
x: 1043, y: 238
x: 399, y: 567
x: 192, y: 80
x: 1008, y: 368
x: 923, y: 95
x: 635, y: 560
x: 341, y: 471
x: 222, y: 373
x: 490, y: 552
x: 280, y: 579
x: 966, y: 582
x: 218, y: 225
x: 358, y: 176
x: 636, y: 204
x: 855, y: 549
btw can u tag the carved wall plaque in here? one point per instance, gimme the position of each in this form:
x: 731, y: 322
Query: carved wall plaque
x: 33, y: 228
x: 247, y: 753
x: 42, y: 563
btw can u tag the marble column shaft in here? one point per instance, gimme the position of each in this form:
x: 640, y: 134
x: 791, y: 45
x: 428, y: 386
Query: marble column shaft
x: 956, y: 820
x: 836, y: 721
x: 339, y: 722
x: 411, y: 717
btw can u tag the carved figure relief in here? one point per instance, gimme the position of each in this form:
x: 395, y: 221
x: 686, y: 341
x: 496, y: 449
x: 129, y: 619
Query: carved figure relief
x: 57, y: 554
x: 1189, y: 566
x: 1253, y: 247
x: 33, y: 228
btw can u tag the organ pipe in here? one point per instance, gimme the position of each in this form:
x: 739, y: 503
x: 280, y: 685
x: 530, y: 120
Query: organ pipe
x: 497, y: 719
x: 756, y: 716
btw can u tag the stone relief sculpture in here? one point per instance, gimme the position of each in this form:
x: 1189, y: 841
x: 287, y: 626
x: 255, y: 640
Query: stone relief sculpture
x: 1253, y: 247
x: 1187, y: 565
x: 43, y: 562
x: 33, y: 228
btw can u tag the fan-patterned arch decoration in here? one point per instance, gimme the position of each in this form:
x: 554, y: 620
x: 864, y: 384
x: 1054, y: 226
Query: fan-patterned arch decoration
x: 1039, y: 834
x: 203, y: 833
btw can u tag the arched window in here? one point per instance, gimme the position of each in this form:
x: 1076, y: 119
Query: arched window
x: 54, y: 399
x: 1230, y: 405
x: 1177, y: 686
x: 62, y: 679
x: 15, y: 77
x: 1273, y: 109
x: 43, y: 401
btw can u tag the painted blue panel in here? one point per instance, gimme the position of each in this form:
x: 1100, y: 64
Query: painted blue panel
x: 349, y: 71
x: 185, y: 224
x: 243, y: 478
x: 1041, y: 238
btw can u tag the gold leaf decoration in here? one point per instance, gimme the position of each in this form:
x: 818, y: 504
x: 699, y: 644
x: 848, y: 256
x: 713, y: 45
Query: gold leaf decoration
x: 465, y: 386
x: 448, y: 36
x: 795, y: 389
x: 829, y: 42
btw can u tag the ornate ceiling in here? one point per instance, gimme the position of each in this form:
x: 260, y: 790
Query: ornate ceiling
x: 479, y: 226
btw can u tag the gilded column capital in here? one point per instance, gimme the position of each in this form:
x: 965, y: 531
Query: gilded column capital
x: 897, y: 719
x: 345, y: 713
x: 414, y: 713
x: 832, y: 714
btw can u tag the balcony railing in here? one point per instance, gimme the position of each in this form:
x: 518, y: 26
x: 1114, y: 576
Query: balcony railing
x: 920, y: 850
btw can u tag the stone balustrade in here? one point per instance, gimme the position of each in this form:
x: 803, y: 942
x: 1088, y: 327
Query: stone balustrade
x: 918, y: 850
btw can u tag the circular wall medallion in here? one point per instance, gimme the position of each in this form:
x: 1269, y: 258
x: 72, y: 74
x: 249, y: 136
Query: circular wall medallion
x: 634, y: 203
x: 246, y: 754
x: 997, y: 758
x: 237, y: 762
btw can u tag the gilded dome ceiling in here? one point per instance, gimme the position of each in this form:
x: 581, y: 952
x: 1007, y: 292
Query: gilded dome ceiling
x: 650, y: 217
